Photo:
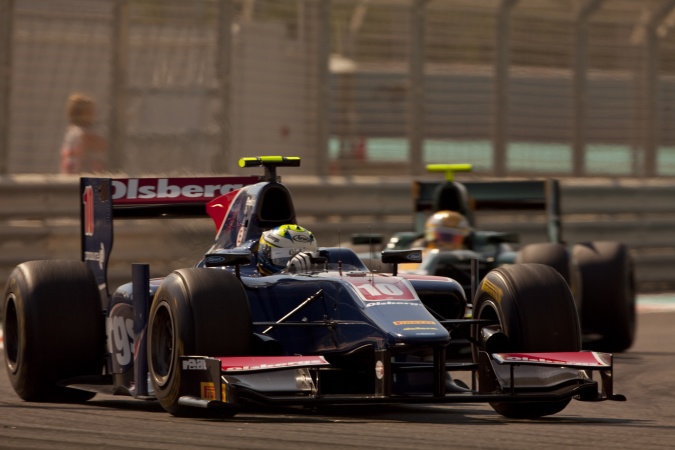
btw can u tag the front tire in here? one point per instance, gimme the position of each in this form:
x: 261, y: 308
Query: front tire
x: 533, y: 307
x: 195, y: 311
x: 53, y: 329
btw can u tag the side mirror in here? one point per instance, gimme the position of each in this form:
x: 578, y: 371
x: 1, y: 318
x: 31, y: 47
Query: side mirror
x: 228, y: 257
x: 397, y: 257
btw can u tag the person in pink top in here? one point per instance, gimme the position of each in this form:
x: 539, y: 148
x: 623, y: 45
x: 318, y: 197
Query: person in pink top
x: 82, y: 149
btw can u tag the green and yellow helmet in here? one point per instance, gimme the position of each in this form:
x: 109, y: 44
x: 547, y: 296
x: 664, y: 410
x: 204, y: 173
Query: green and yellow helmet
x: 278, y: 245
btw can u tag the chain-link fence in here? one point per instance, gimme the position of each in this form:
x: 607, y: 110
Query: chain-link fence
x: 561, y: 87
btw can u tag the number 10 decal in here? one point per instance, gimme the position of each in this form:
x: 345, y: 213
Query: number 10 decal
x: 382, y: 289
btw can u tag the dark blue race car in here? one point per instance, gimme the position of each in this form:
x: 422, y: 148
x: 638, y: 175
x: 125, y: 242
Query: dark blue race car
x: 218, y: 335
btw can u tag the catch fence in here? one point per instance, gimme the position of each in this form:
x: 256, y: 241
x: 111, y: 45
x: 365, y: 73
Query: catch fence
x: 515, y: 87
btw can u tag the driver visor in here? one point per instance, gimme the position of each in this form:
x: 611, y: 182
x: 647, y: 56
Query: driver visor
x: 281, y: 256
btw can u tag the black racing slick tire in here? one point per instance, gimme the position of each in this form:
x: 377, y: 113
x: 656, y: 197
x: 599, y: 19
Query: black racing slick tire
x: 608, y: 306
x: 53, y: 329
x: 554, y: 255
x: 533, y: 308
x: 196, y: 311
x: 558, y: 257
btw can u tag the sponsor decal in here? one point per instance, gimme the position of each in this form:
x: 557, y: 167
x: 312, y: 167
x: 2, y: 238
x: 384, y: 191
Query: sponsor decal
x: 219, y: 206
x: 420, y: 328
x: 493, y: 290
x: 98, y: 256
x: 236, y: 364
x: 534, y: 359
x: 167, y: 190
x: 414, y: 322
x: 122, y: 338
x: 214, y: 259
x: 414, y: 257
x: 391, y: 303
x: 194, y: 364
x: 589, y: 359
x: 379, y: 370
x: 301, y: 238
x: 208, y: 390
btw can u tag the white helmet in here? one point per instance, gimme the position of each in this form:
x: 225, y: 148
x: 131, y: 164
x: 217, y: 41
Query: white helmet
x: 278, y: 245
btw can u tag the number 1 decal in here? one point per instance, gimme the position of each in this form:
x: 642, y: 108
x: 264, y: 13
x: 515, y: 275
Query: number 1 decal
x: 88, y: 201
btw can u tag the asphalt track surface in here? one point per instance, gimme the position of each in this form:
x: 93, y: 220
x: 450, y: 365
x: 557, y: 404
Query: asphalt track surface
x: 645, y: 374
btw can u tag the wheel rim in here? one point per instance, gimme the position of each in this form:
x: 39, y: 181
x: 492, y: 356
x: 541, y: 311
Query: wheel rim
x: 487, y: 311
x: 11, y: 334
x: 162, y: 344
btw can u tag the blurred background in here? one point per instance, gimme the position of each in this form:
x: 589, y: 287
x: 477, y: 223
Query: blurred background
x: 561, y: 87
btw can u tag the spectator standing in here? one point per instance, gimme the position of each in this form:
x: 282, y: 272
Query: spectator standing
x: 82, y: 149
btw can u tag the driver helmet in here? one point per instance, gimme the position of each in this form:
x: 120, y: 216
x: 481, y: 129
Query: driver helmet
x: 447, y: 230
x: 278, y: 245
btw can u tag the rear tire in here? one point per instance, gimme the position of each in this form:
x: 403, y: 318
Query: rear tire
x: 195, y: 311
x: 608, y: 306
x: 534, y: 308
x: 558, y: 257
x: 554, y: 255
x: 53, y: 329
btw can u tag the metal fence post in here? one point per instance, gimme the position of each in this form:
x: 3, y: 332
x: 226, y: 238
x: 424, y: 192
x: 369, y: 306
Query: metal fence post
x: 650, y: 90
x: 323, y: 87
x: 579, y: 141
x: 223, y: 157
x: 416, y: 88
x: 118, y: 88
x: 6, y: 31
x: 653, y: 122
x: 502, y: 63
x: 646, y: 36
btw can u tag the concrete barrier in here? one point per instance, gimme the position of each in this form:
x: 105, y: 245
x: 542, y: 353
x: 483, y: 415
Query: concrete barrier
x: 39, y: 219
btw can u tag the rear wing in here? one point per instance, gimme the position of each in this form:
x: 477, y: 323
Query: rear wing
x: 467, y: 197
x: 105, y: 199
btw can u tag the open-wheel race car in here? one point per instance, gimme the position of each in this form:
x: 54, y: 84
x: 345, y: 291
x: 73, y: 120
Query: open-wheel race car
x: 219, y: 335
x: 599, y: 273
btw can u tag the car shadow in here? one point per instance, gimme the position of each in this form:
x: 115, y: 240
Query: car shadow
x: 413, y: 414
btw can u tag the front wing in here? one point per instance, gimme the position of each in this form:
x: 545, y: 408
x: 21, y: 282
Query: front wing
x: 297, y: 380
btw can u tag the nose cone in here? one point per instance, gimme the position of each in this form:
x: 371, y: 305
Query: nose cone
x: 408, y: 324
